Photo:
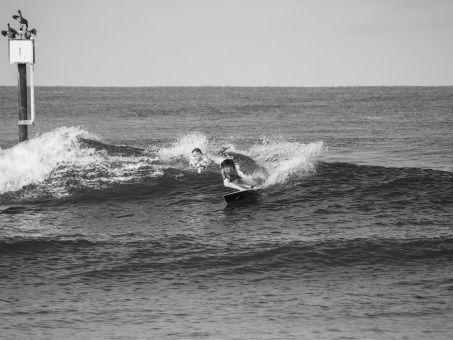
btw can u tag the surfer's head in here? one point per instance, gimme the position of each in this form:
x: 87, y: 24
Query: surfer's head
x: 229, y: 170
x: 227, y: 162
x: 196, y: 154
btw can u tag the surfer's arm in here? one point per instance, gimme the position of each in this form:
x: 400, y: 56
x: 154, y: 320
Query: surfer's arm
x: 205, y: 162
x: 232, y: 185
x: 215, y: 159
x: 198, y: 167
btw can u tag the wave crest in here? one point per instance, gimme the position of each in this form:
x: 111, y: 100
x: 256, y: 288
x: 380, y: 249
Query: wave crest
x: 32, y: 161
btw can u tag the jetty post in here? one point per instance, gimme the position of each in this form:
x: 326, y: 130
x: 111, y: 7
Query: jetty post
x: 22, y: 52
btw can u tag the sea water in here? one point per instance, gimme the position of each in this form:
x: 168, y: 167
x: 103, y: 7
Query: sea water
x: 106, y: 232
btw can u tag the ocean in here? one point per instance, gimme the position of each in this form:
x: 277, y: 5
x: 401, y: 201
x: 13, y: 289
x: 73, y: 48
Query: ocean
x: 107, y: 232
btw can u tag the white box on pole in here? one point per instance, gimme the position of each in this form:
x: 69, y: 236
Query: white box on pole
x: 21, y: 51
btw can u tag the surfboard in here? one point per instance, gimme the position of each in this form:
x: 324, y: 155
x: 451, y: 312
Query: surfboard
x: 240, y: 195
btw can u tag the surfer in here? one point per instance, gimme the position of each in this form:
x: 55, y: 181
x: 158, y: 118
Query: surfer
x: 231, y: 176
x: 201, y: 161
x: 231, y: 172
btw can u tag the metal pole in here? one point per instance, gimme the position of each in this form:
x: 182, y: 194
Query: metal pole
x: 23, y: 114
x: 32, y: 92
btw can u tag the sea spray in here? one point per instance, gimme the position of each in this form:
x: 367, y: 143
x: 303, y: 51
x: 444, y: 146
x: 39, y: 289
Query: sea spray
x: 31, y: 161
x: 294, y: 160
x: 62, y: 162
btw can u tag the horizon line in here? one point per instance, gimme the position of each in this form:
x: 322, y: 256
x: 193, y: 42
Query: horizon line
x: 231, y: 86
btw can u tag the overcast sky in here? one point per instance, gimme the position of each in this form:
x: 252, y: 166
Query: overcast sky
x: 235, y: 42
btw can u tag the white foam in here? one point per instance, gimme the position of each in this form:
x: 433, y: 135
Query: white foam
x: 33, y: 160
x: 284, y: 159
x: 59, y: 162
